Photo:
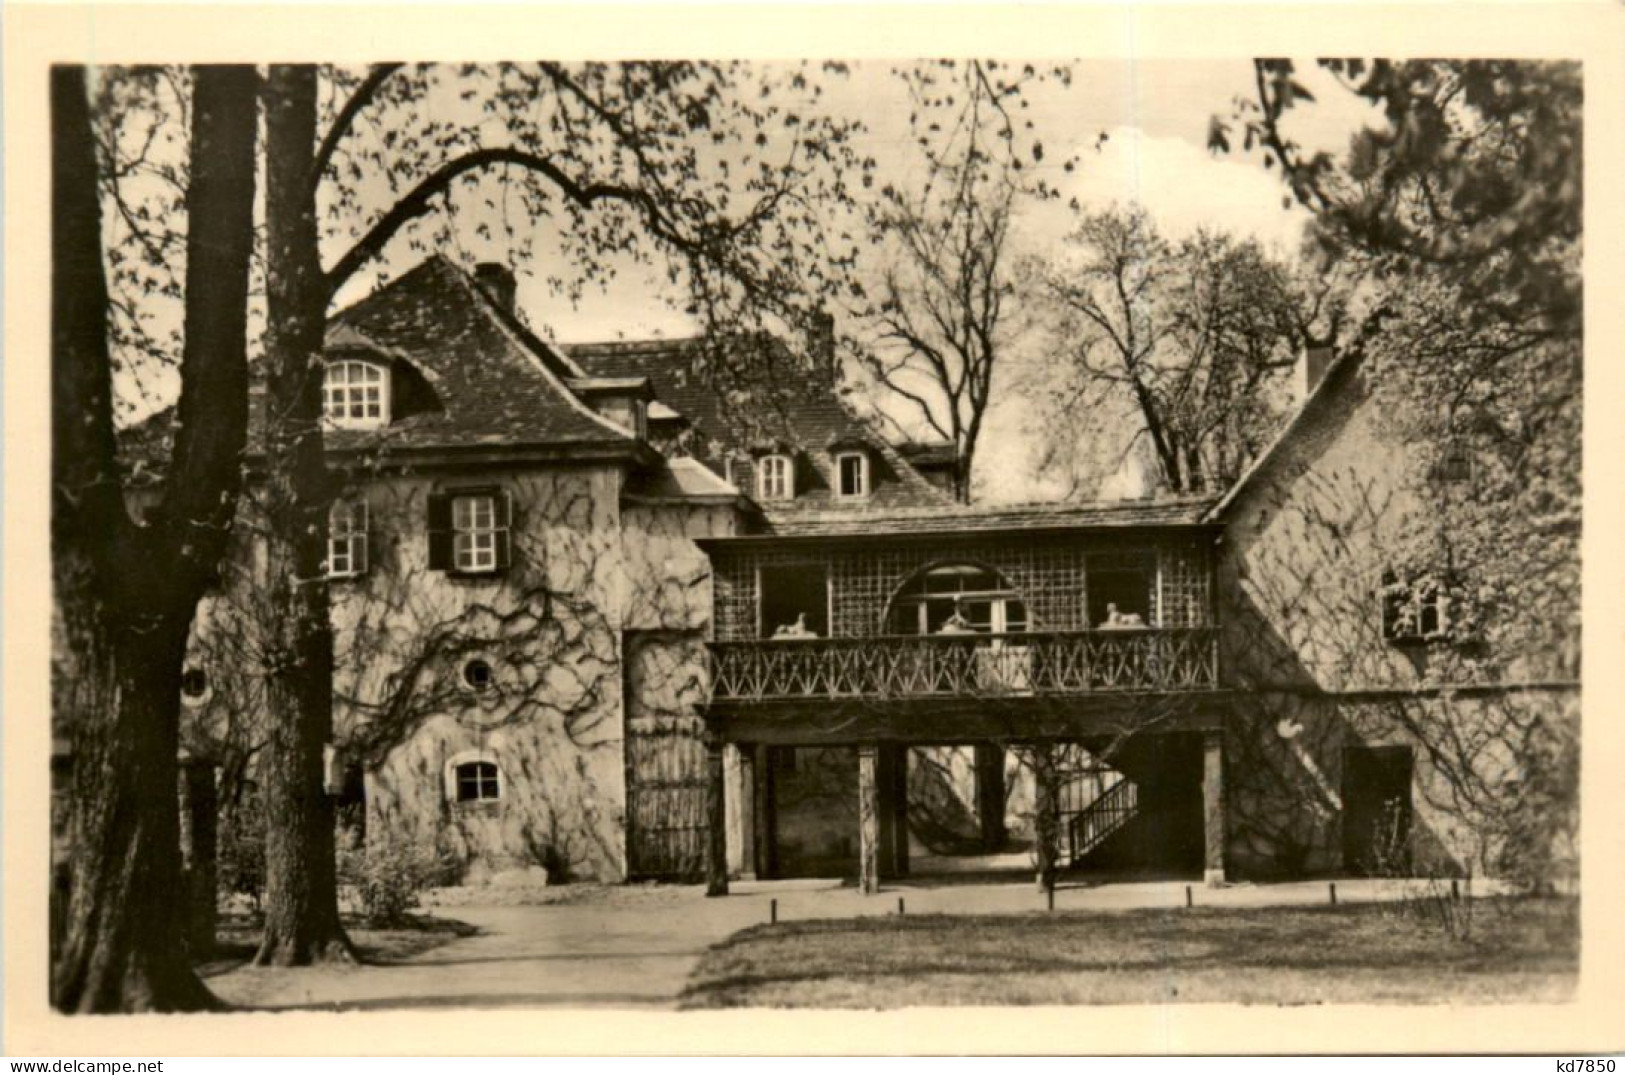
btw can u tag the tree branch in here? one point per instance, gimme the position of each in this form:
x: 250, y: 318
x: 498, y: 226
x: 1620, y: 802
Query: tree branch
x: 362, y: 97
x: 417, y: 203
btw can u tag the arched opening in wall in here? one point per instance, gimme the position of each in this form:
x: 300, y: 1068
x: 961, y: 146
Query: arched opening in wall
x: 956, y: 598
x: 958, y: 810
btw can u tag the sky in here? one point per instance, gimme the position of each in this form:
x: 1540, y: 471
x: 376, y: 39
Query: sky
x: 1154, y: 115
x: 1137, y: 131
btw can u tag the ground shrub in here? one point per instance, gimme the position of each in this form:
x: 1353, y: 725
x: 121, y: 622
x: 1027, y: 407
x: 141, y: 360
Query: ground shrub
x: 386, y: 874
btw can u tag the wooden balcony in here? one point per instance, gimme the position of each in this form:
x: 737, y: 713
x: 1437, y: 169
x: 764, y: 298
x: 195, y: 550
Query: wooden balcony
x: 967, y: 666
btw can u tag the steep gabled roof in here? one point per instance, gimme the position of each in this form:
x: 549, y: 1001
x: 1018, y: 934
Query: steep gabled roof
x: 498, y: 384
x: 1338, y: 376
x: 816, y: 419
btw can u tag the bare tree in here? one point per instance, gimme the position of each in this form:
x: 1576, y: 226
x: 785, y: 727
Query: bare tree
x: 1195, y: 337
x: 947, y: 310
x: 126, y: 590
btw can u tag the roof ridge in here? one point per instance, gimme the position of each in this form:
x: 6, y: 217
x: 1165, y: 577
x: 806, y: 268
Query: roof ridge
x: 1344, y: 363
x: 484, y: 304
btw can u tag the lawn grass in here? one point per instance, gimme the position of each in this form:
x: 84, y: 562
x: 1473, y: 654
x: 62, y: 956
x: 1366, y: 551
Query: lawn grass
x: 1518, y: 951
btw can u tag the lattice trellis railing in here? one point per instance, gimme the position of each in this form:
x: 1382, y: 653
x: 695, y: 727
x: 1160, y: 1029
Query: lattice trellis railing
x: 1027, y: 663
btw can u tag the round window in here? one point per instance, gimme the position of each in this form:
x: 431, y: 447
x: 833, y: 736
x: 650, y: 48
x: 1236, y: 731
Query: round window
x: 477, y: 674
x: 194, y: 683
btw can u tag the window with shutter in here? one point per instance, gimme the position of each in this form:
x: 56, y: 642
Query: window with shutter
x: 470, y: 531
x: 439, y: 532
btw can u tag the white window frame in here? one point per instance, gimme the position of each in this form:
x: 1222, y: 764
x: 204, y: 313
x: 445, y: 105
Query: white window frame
x: 1406, y: 605
x: 775, y: 477
x: 348, y: 522
x: 453, y: 777
x: 863, y: 474
x: 474, y: 533
x: 355, y: 395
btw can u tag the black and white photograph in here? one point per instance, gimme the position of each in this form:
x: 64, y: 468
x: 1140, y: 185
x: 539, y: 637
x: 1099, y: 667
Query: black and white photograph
x: 644, y: 533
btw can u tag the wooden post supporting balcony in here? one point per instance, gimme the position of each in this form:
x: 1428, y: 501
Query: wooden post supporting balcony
x: 1046, y: 814
x: 1213, y: 826
x: 990, y: 794
x: 868, y: 819
x: 898, y: 790
x: 763, y: 823
x: 744, y: 809
x: 716, y: 802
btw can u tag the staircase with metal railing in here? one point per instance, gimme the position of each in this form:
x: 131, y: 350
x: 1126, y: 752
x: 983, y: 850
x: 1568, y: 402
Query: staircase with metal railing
x: 1101, y: 819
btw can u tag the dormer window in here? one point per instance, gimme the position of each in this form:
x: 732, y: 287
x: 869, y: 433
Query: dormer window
x: 775, y: 478
x: 355, y: 395
x: 852, y: 474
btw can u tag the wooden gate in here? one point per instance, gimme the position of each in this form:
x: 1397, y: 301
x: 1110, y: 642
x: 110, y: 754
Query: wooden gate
x: 666, y: 823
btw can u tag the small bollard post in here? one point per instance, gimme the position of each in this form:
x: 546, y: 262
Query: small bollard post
x: 1049, y: 896
x: 899, y: 905
x: 1455, y: 889
x: 772, y: 912
x: 1190, y: 897
x: 1332, y: 887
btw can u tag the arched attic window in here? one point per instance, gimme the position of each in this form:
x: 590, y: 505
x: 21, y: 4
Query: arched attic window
x: 365, y: 387
x: 959, y: 597
x: 355, y: 394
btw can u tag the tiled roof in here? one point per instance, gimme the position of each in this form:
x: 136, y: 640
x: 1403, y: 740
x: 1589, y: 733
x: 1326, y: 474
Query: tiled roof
x: 497, y: 382
x: 681, y: 479
x: 1161, y: 512
x: 814, y: 420
x: 496, y: 385
x: 935, y: 453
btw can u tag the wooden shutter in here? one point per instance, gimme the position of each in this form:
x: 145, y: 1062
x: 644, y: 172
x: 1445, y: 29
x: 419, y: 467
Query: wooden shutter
x: 502, y: 510
x: 440, y: 558
x: 362, y: 551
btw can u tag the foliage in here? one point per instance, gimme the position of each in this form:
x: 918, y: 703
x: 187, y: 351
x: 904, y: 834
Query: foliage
x: 1193, y: 339
x: 387, y: 873
x: 1475, y: 177
x: 241, y: 867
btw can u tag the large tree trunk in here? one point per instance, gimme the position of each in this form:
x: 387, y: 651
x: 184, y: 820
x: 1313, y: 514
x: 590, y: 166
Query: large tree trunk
x: 126, y: 595
x: 125, y: 946
x: 301, y: 887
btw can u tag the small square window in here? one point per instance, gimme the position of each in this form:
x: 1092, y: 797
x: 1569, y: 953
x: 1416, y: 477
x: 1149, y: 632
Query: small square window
x: 478, y: 781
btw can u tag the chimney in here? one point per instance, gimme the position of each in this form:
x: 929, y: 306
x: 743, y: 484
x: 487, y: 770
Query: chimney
x: 823, y: 340
x: 497, y: 281
x: 1312, y: 366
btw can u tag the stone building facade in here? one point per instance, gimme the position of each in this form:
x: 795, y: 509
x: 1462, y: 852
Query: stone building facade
x: 591, y: 619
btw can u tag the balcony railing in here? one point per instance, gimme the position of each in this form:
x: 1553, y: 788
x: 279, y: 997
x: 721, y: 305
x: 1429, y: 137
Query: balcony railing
x: 1035, y: 663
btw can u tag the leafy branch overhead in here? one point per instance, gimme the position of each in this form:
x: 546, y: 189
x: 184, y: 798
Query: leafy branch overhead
x: 1475, y: 174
